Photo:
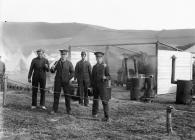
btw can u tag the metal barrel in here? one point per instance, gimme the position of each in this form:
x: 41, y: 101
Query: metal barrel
x: 184, y: 92
x: 149, y: 91
x: 137, y: 91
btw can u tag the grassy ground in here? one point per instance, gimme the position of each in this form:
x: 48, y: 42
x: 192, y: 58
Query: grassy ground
x: 130, y: 120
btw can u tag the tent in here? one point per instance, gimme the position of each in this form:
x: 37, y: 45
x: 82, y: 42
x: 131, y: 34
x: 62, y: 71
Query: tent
x: 20, y: 40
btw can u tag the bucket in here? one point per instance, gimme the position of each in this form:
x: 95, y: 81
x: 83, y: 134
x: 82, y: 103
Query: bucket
x: 109, y: 91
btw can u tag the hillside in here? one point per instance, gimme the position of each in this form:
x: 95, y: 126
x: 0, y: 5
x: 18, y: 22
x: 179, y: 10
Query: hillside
x: 29, y: 36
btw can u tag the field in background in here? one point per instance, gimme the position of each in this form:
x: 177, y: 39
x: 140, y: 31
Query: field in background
x: 129, y: 119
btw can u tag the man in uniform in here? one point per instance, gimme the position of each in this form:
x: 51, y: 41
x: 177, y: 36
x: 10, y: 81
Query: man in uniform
x: 64, y: 73
x: 100, y: 77
x: 83, y: 76
x: 2, y: 73
x: 39, y: 67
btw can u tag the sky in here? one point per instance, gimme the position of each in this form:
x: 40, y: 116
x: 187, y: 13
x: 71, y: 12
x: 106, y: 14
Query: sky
x: 116, y: 14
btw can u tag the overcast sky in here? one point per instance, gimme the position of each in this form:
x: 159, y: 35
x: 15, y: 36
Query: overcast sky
x: 116, y: 14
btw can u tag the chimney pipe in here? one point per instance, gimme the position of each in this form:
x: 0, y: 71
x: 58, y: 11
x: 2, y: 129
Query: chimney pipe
x: 135, y: 67
x: 126, y: 69
x: 173, y: 70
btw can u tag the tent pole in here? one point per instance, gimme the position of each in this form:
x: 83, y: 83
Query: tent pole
x: 69, y: 49
x: 156, y: 77
x: 126, y: 69
x: 106, y: 54
x: 88, y: 56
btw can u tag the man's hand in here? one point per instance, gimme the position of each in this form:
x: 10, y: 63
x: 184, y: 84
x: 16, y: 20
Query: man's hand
x: 29, y: 80
x: 46, y: 66
x: 53, y: 67
x: 91, y: 89
x: 104, y: 78
x: 75, y: 79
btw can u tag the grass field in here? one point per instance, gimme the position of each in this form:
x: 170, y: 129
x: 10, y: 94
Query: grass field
x: 131, y: 120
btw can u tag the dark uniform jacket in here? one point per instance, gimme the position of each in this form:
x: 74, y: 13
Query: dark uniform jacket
x: 100, y: 70
x: 38, y: 68
x: 64, y: 71
x: 83, y: 71
x: 2, y: 68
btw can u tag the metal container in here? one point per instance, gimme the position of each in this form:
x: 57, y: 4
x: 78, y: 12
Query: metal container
x: 149, y: 90
x: 109, y: 91
x: 137, y: 91
x: 184, y: 92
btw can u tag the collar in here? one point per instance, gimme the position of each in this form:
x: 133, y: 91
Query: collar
x: 39, y: 57
x: 83, y: 60
x: 104, y: 64
x: 62, y: 61
x: 101, y: 63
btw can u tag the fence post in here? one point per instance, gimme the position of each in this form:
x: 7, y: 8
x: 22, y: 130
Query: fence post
x: 169, y: 120
x: 4, y: 89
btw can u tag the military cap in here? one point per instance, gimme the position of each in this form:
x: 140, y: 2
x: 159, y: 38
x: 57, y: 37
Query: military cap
x: 83, y: 53
x: 63, y: 51
x: 40, y: 50
x: 99, y: 54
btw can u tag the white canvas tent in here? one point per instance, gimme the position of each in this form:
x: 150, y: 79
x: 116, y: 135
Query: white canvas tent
x: 27, y: 37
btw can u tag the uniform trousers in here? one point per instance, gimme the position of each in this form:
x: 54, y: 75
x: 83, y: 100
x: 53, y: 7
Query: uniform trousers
x: 83, y: 91
x: 57, y: 92
x: 100, y: 92
x: 35, y: 83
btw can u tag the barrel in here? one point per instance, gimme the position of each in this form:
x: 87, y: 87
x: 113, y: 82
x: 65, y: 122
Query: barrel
x: 149, y: 91
x: 184, y: 92
x: 137, y: 91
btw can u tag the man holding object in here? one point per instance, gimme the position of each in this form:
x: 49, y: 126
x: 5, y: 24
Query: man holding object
x: 100, y: 77
x: 64, y: 73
